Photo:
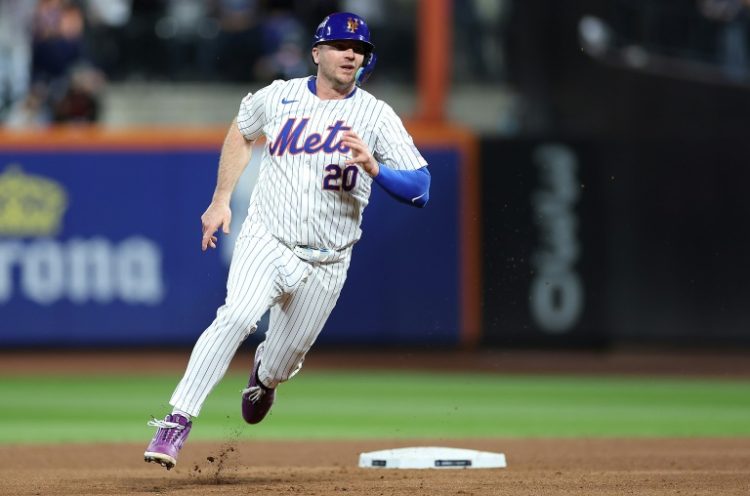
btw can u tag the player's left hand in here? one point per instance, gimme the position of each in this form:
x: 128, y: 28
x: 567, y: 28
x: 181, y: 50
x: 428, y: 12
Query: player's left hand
x: 360, y: 154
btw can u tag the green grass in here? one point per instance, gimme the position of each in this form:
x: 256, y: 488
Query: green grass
x: 340, y: 405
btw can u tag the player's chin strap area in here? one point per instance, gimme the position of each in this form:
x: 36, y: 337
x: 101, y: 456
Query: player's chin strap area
x: 364, y: 72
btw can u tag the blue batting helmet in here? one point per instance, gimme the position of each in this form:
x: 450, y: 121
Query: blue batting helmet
x: 348, y: 26
x: 343, y: 26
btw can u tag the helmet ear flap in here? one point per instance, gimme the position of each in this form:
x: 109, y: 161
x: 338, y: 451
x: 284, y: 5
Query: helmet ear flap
x: 364, y: 72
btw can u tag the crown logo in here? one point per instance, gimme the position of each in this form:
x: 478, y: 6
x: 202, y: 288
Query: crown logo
x: 30, y: 205
x: 352, y: 24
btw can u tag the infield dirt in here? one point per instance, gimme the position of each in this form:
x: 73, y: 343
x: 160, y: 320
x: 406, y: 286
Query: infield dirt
x: 555, y: 467
x: 535, y: 467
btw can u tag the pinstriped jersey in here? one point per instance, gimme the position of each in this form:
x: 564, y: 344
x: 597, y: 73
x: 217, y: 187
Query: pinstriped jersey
x: 305, y: 193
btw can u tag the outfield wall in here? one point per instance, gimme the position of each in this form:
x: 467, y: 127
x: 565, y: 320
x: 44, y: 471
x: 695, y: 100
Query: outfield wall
x: 562, y: 243
x: 595, y: 242
x: 100, y: 244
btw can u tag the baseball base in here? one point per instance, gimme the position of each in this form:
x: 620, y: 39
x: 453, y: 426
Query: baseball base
x: 431, y: 457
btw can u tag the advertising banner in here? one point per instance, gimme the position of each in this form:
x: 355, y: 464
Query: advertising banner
x: 544, y: 245
x: 605, y: 242
x: 100, y: 246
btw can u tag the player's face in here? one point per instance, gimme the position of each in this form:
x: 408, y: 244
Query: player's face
x: 338, y: 61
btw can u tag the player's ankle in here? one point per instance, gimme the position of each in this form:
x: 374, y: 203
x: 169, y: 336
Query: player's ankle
x: 177, y: 411
x: 261, y: 384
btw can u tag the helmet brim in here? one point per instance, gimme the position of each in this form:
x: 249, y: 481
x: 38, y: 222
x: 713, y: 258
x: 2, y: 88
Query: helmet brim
x: 369, y: 46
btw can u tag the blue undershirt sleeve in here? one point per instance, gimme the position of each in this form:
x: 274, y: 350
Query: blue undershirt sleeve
x: 407, y: 186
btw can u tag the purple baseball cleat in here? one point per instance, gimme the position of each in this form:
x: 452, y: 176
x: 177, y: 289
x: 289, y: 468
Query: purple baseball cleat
x: 168, y: 440
x: 257, y: 399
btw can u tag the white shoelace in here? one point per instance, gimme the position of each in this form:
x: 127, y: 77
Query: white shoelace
x: 254, y: 393
x: 163, y: 424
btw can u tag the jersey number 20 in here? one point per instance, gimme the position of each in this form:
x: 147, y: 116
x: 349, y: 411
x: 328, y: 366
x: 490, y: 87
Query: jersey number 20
x: 338, y: 179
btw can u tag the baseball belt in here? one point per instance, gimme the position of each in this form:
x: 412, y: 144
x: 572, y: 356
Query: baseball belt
x: 318, y: 255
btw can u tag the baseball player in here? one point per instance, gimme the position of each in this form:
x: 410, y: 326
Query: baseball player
x: 327, y: 141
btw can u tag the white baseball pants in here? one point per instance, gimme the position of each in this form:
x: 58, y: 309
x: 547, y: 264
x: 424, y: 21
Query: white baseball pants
x: 264, y: 274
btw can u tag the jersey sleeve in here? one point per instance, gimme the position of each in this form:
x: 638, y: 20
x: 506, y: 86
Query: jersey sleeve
x: 252, y: 115
x: 394, y: 145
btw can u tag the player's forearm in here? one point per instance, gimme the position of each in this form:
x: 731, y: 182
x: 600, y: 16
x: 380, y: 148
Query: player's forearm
x: 235, y: 155
x: 407, y: 186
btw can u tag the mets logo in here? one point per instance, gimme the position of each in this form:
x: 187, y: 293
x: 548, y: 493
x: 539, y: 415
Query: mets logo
x: 352, y: 25
x: 290, y: 139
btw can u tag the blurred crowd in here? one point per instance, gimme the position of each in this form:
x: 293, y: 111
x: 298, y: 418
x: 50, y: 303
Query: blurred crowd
x: 45, y: 75
x: 57, y: 55
x: 711, y: 32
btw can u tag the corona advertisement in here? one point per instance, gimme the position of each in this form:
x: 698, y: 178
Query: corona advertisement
x: 38, y: 265
x: 100, y: 247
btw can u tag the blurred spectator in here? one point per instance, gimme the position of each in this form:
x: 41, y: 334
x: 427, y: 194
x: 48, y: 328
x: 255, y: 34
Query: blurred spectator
x: 66, y: 88
x: 374, y: 11
x: 310, y: 13
x: 31, y: 111
x: 733, y: 39
x: 79, y: 101
x: 185, y: 28
x: 478, y: 24
x: 142, y: 51
x: 57, y: 40
x: 721, y: 10
x: 15, y: 50
x: 283, y: 39
x: 109, y: 12
x: 395, y: 30
x: 105, y: 32
x: 232, y: 54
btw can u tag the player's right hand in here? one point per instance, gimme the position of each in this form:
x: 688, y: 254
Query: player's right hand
x: 216, y: 215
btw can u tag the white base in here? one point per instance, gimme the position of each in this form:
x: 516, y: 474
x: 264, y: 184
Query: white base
x: 431, y: 457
